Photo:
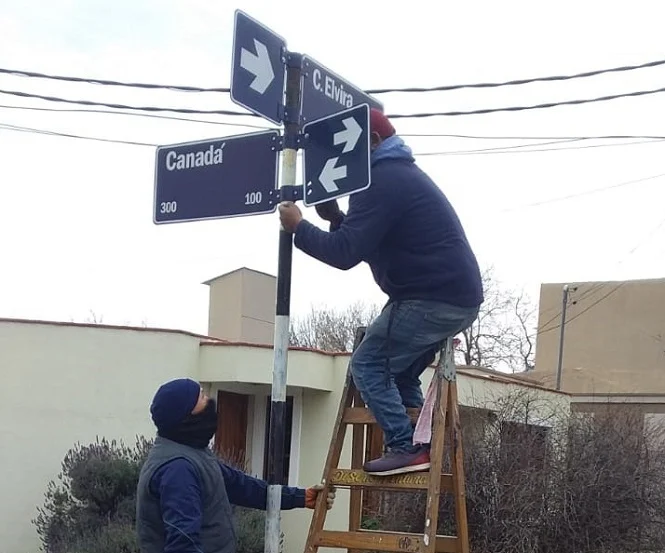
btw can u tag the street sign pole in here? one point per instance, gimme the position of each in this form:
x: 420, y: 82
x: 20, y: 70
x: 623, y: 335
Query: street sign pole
x: 288, y: 190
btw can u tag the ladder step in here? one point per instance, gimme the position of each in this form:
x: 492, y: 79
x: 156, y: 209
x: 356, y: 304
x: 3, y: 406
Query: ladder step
x: 358, y: 478
x: 385, y: 541
x: 362, y: 415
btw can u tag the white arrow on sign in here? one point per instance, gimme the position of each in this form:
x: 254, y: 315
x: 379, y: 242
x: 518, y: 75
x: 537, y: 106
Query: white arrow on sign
x: 349, y: 136
x: 330, y: 174
x: 258, y: 65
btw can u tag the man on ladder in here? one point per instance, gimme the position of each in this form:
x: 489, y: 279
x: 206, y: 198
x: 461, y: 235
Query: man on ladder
x: 404, y: 227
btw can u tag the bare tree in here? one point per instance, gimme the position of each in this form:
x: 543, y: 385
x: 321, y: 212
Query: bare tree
x: 98, y: 319
x: 92, y: 318
x: 331, y: 329
x: 504, y: 334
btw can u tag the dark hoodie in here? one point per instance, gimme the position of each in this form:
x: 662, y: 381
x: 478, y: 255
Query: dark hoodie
x: 406, y: 230
x: 184, y: 493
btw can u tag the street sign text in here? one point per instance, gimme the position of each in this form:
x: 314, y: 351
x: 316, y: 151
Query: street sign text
x: 215, y: 179
x: 324, y: 92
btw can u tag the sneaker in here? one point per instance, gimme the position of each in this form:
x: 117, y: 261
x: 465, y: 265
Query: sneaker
x: 399, y: 462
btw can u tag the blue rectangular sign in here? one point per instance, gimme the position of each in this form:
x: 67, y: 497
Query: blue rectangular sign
x: 324, y: 92
x: 257, y: 68
x: 215, y: 179
x: 336, y: 159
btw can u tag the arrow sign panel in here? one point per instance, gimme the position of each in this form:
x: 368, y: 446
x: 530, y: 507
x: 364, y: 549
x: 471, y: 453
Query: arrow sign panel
x: 336, y: 159
x: 257, y: 69
x: 215, y: 179
x: 324, y: 92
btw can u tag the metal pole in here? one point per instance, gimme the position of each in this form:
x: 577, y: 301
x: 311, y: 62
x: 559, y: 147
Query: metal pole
x: 277, y: 434
x: 561, y: 335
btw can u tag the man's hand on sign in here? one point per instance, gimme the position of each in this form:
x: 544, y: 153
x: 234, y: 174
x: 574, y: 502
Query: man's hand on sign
x: 290, y: 216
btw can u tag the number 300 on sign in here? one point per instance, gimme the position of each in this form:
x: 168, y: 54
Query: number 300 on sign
x: 168, y: 207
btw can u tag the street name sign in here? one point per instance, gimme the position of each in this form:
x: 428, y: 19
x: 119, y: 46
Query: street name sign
x: 257, y: 68
x: 216, y: 179
x: 324, y: 92
x: 336, y: 158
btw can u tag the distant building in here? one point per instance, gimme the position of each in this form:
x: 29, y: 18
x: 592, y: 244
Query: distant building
x: 614, y: 340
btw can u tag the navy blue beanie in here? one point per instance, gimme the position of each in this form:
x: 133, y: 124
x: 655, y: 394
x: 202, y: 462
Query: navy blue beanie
x: 173, y: 402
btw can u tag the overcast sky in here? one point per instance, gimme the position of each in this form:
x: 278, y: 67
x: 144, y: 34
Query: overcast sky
x: 76, y: 219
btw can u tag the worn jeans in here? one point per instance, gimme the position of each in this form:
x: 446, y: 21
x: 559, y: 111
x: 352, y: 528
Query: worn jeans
x: 397, y: 348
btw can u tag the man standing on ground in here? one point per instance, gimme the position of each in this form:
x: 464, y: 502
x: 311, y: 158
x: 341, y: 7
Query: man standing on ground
x: 406, y: 230
x: 185, y: 493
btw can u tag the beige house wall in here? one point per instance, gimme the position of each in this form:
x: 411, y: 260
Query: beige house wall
x: 69, y: 383
x: 614, y: 337
x: 63, y: 384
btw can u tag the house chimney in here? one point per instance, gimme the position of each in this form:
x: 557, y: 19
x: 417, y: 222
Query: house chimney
x: 242, y: 306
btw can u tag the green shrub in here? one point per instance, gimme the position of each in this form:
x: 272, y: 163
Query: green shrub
x: 90, y: 506
x: 91, y: 503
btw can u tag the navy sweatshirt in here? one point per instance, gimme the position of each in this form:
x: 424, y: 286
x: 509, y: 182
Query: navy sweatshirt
x: 406, y: 230
x: 177, y: 486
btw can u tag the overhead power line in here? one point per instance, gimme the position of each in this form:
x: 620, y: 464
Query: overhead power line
x: 136, y: 114
x: 529, y: 148
x: 583, y: 193
x: 497, y: 137
x: 582, y: 312
x: 499, y: 150
x: 392, y: 116
x: 404, y: 135
x: 524, y: 108
x: 186, y: 88
x: 123, y: 106
x: 518, y: 82
x: 17, y: 128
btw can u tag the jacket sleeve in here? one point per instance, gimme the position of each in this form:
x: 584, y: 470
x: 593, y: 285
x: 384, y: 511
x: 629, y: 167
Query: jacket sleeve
x: 246, y: 491
x: 177, y: 486
x: 335, y: 226
x: 369, y: 218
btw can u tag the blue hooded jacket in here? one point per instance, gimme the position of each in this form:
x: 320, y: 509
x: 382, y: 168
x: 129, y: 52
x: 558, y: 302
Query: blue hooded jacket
x: 406, y: 230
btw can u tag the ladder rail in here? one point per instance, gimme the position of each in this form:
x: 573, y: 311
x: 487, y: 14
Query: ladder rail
x: 334, y: 451
x: 446, y: 428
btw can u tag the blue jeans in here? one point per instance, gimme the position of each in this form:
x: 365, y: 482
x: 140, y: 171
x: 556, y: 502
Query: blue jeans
x: 397, y: 348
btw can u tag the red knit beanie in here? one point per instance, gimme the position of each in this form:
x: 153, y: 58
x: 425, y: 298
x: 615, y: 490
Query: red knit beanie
x: 380, y: 124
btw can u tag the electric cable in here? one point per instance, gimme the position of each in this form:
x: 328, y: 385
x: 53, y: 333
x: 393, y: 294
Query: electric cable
x: 485, y: 111
x: 584, y: 193
x: 499, y: 150
x: 597, y: 287
x: 17, y: 128
x: 514, y: 150
x: 186, y: 88
x: 266, y: 127
x: 135, y: 114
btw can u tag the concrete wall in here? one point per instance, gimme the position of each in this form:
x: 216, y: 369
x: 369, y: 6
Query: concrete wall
x: 614, y: 337
x: 64, y: 384
x: 237, y: 363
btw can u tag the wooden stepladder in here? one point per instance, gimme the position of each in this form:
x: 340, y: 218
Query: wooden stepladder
x: 446, y: 430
